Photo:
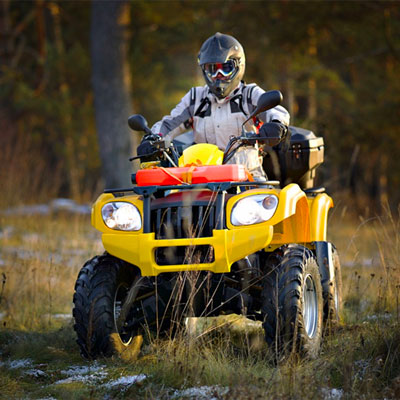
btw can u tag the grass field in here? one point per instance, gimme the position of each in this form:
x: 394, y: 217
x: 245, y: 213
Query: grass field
x: 40, y: 256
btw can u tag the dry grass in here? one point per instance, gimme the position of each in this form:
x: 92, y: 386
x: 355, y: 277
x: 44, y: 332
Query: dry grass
x: 40, y: 258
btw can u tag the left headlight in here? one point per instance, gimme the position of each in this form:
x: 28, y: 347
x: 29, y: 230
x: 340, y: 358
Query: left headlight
x: 121, y: 216
x: 254, y: 209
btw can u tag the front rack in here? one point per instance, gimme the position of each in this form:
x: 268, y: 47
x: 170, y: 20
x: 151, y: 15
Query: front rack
x: 213, y: 186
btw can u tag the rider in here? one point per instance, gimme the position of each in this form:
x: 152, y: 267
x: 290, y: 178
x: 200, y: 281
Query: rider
x: 217, y: 110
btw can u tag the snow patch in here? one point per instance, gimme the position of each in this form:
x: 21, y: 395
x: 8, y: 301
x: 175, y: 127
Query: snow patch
x: 126, y: 380
x: 36, y: 373
x: 201, y: 393
x: 69, y: 205
x: 82, y: 378
x: 84, y: 374
x: 82, y: 370
x: 66, y: 317
x: 16, y: 364
x: 379, y: 317
x: 47, y: 398
x: 332, y: 394
x: 55, y: 206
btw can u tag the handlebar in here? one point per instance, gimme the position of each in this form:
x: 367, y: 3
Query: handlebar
x: 161, y: 149
x: 248, y: 139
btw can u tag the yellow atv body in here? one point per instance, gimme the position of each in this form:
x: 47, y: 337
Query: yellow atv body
x: 297, y: 219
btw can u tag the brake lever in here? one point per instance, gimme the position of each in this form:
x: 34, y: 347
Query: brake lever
x: 145, y: 155
x: 250, y: 139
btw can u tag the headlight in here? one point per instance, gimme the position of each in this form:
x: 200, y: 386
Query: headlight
x: 121, y: 216
x: 254, y: 209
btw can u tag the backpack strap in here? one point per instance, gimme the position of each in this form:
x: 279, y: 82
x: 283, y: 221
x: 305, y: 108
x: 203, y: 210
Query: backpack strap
x: 192, y: 97
x: 201, y: 110
x: 250, y: 105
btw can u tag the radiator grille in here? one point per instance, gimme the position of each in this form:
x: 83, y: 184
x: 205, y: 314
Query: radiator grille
x: 179, y: 222
x: 180, y: 255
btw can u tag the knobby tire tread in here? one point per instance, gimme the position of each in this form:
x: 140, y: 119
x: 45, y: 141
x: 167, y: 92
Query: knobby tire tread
x: 93, y: 305
x: 282, y: 308
x: 331, y: 315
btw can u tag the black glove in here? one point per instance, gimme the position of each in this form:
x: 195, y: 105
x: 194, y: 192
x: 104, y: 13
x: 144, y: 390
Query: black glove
x: 146, y: 147
x: 273, y: 130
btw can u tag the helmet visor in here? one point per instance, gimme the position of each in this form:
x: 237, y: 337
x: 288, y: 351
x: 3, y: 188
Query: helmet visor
x: 220, y: 70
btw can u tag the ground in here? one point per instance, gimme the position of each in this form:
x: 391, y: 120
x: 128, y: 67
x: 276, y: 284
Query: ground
x: 41, y: 252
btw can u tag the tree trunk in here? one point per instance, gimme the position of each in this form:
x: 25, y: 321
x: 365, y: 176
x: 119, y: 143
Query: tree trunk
x: 111, y: 85
x: 312, y: 84
x: 74, y: 172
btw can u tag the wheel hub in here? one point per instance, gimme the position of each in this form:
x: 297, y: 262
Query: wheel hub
x: 310, y: 306
x: 119, y: 298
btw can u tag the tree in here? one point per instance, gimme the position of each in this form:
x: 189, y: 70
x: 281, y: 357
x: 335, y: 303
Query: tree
x: 111, y: 86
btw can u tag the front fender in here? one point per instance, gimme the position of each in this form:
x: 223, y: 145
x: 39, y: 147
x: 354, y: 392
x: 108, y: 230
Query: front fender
x: 319, y: 209
x: 292, y: 218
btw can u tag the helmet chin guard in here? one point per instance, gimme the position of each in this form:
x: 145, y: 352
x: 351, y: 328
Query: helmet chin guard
x: 223, y: 63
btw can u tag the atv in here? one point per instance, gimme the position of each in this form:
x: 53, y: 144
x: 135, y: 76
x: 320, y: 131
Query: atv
x: 197, y: 236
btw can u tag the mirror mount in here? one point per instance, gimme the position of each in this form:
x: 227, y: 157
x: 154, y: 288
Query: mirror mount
x: 265, y: 102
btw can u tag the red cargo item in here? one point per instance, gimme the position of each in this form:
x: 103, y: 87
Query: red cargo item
x: 188, y: 175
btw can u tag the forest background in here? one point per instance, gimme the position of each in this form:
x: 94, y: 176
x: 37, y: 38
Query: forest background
x: 337, y: 64
x: 71, y: 73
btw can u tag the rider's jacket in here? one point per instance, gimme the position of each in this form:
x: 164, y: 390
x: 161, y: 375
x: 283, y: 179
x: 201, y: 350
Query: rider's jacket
x: 213, y: 120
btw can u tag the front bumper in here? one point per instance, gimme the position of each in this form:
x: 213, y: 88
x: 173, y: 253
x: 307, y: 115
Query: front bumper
x: 229, y: 246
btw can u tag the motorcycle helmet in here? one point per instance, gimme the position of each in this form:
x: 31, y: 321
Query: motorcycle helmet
x: 222, y: 61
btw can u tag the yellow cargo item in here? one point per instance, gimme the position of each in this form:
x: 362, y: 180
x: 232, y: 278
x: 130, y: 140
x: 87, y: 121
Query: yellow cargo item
x: 201, y: 154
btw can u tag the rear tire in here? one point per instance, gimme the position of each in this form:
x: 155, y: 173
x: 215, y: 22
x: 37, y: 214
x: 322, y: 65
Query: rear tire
x: 100, y: 290
x: 332, y: 294
x: 292, y: 304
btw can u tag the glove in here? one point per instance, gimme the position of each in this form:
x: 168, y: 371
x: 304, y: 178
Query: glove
x: 273, y: 130
x: 146, y: 147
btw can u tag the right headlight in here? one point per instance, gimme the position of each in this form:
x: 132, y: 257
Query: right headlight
x: 121, y: 216
x: 254, y: 209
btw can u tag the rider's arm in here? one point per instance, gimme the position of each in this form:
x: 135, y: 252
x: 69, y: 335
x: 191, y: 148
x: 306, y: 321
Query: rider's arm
x: 278, y: 113
x: 180, y: 119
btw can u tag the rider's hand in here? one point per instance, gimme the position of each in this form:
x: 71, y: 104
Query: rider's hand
x: 151, y: 143
x: 147, y: 147
x: 273, y: 130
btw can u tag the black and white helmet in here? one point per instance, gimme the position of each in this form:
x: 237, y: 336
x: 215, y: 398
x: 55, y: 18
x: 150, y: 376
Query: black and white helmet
x: 222, y: 61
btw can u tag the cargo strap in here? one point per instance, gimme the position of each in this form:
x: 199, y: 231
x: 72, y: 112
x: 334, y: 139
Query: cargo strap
x: 249, y: 176
x: 187, y: 176
x: 173, y: 175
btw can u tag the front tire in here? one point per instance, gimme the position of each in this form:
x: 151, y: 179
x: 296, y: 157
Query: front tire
x: 100, y: 290
x: 292, y: 303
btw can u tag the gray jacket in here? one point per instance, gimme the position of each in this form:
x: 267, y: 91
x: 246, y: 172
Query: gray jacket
x: 213, y: 120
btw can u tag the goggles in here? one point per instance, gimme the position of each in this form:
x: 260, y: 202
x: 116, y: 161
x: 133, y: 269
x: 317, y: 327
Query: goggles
x: 225, y: 69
